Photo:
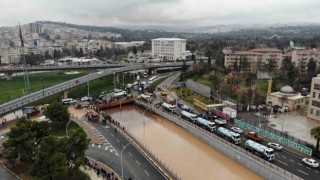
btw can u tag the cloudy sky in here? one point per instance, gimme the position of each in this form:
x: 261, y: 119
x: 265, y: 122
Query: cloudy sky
x: 160, y: 12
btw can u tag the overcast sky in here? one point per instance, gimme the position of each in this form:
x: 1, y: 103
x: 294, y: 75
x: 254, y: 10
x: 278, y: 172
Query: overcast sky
x: 160, y: 12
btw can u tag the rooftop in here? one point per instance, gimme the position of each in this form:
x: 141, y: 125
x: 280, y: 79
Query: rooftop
x: 266, y: 50
x: 169, y: 39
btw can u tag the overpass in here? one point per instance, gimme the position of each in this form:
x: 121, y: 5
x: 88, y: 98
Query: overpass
x: 65, y: 86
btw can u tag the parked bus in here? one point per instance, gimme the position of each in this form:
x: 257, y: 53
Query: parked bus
x: 67, y: 101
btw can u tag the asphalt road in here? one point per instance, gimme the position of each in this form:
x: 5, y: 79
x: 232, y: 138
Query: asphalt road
x: 135, y: 164
x: 286, y: 160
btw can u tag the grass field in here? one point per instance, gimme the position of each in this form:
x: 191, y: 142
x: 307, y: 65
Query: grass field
x: 263, y: 86
x: 13, y: 89
x: 60, y: 131
x: 188, y: 96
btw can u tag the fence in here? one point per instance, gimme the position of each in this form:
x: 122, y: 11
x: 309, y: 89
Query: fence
x: 264, y: 168
x: 275, y: 131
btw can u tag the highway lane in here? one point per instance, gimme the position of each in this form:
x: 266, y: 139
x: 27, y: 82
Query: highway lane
x: 284, y: 159
x: 136, y: 164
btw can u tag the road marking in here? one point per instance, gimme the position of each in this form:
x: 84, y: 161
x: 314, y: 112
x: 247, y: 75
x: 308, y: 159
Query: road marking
x: 92, y: 145
x: 282, y: 162
x: 130, y: 154
x: 146, y: 172
x: 316, y: 171
x: 300, y: 164
x: 122, y: 145
x: 99, y: 146
x: 308, y: 167
x: 106, y: 127
x: 112, y: 135
x: 117, y: 154
x: 291, y: 160
x: 276, y: 153
x: 107, y: 147
x: 284, y: 157
x: 138, y: 163
x: 118, y: 140
x: 303, y: 172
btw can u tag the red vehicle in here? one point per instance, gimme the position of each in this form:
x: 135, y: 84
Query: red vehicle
x: 254, y: 136
x: 93, y: 116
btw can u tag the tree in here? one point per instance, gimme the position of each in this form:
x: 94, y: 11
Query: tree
x: 315, y: 132
x: 75, y: 148
x: 134, y: 50
x: 209, y: 54
x: 50, y: 161
x: 23, y: 140
x: 235, y: 65
x: 80, y: 54
x: 243, y: 63
x: 312, y: 68
x: 57, y: 113
x: 220, y: 60
x: 47, y: 55
x: 270, y: 66
x: 292, y: 74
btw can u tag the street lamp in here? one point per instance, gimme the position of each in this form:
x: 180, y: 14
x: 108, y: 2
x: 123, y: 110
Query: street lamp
x: 259, y: 117
x: 283, y: 99
x: 121, y: 158
x: 67, y: 128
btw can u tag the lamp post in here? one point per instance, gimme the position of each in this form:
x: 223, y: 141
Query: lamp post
x: 67, y: 127
x: 283, y: 99
x: 259, y: 117
x: 121, y: 158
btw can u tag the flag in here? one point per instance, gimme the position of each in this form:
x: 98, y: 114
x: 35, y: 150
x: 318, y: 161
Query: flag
x: 20, y: 34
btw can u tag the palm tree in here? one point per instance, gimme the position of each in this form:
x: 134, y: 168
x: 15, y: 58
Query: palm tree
x: 315, y: 132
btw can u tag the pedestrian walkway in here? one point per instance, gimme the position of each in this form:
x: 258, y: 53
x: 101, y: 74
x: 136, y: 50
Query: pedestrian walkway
x: 96, y: 170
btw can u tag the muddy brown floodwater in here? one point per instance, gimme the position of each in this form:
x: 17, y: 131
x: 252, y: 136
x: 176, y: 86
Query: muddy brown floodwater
x: 187, y: 155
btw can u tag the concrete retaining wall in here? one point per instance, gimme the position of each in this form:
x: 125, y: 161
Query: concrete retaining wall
x: 198, y: 88
x: 254, y: 163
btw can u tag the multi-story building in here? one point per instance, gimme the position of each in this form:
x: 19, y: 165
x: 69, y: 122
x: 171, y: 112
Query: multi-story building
x: 169, y: 48
x: 305, y: 55
x: 256, y: 58
x: 314, y: 103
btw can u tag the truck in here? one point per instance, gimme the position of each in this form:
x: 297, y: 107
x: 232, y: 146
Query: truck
x: 205, y: 124
x: 229, y: 135
x: 220, y: 121
x: 146, y: 97
x: 120, y: 94
x: 189, y: 116
x: 260, y: 150
x: 168, y: 107
x: 231, y: 112
x: 92, y: 116
x: 254, y: 136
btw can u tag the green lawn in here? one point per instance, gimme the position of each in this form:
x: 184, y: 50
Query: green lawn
x: 14, y: 88
x: 188, y: 96
x: 61, y: 130
x: 263, y: 86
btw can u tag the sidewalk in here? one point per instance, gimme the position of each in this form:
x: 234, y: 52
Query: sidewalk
x: 98, y: 171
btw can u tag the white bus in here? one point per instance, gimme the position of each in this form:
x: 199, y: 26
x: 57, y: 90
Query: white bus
x: 152, y: 79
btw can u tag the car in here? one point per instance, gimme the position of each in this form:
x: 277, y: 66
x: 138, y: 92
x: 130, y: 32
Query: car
x: 86, y: 98
x: 2, y: 137
x: 237, y: 130
x: 275, y: 146
x: 310, y: 162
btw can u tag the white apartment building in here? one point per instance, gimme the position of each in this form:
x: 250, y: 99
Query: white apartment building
x: 314, y: 102
x: 169, y: 48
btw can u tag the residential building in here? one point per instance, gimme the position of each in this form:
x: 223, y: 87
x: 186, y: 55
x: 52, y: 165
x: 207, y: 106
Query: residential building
x: 256, y: 58
x: 129, y: 44
x: 169, y: 48
x: 305, y: 55
x: 314, y: 103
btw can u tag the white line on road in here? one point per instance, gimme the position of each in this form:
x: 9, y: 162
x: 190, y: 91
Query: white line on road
x: 282, y: 162
x: 284, y: 157
x: 138, y: 163
x: 112, y: 135
x: 300, y: 164
x: 308, y: 167
x: 276, y: 153
x: 122, y: 145
x: 92, y: 145
x: 291, y: 160
x: 99, y: 146
x: 118, y: 140
x: 316, y: 171
x: 130, y: 154
x: 146, y: 172
x: 303, y: 172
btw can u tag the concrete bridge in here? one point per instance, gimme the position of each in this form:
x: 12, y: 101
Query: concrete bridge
x: 65, y: 86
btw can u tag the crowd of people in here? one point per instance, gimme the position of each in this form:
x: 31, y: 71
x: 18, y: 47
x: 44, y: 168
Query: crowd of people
x: 100, y: 171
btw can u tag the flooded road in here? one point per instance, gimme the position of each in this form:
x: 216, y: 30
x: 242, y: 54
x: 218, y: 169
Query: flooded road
x: 188, y: 156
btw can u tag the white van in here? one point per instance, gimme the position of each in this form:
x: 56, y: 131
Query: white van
x: 68, y: 101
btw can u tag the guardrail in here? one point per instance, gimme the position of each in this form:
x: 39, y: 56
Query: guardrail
x: 261, y: 167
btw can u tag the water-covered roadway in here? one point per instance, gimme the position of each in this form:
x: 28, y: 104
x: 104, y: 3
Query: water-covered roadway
x: 187, y: 155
